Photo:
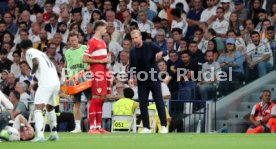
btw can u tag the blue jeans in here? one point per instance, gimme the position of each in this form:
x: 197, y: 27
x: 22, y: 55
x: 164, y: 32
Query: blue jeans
x: 207, y: 91
x: 187, y: 91
x: 263, y: 68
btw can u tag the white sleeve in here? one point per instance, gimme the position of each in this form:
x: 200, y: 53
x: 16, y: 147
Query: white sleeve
x: 165, y: 90
x: 253, y: 110
x: 5, y: 102
x: 273, y: 110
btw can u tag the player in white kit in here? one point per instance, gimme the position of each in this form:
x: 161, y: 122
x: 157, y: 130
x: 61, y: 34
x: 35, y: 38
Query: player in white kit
x: 48, y: 89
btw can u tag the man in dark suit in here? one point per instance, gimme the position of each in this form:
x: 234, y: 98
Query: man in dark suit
x: 143, y: 60
x: 52, y: 26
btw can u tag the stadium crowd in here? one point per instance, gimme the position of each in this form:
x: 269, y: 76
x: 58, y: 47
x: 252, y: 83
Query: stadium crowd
x: 233, y: 36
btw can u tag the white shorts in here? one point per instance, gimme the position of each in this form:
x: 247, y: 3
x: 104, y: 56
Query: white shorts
x: 47, y: 95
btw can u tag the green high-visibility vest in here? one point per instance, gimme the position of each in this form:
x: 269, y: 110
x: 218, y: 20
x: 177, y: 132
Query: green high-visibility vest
x: 123, y: 107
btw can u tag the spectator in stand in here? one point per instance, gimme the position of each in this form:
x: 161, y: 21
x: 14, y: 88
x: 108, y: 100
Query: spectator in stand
x: 209, y: 14
x: 172, y: 64
x: 11, y: 84
x: 52, y: 52
x: 239, y: 44
x: 241, y: 10
x: 22, y: 88
x: 135, y: 9
x: 25, y: 72
x: 165, y: 12
x: 64, y: 32
x: 43, y: 41
x: 57, y: 39
x: 259, y: 55
x: 179, y: 22
x: 201, y: 41
x: 213, y: 47
x: 220, y: 25
x: 112, y: 45
x: 161, y: 41
x: 272, y: 42
x: 209, y: 83
x: 249, y: 27
x: 96, y: 15
x: 231, y: 61
x: 144, y: 24
x: 11, y: 26
x: 110, y: 17
x: 49, y: 4
x: 193, y: 18
x: 255, y: 8
x: 122, y: 8
x: 15, y: 68
x: 4, y: 79
x: 115, y: 35
x: 225, y: 4
x: 52, y: 26
x: 195, y: 54
x: 5, y: 63
x: 144, y: 5
x: 176, y: 34
x: 235, y: 24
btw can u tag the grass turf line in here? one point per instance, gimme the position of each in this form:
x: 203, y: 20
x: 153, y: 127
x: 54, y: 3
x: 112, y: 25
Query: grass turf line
x: 151, y: 141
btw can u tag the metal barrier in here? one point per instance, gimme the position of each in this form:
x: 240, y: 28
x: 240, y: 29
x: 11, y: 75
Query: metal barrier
x: 187, y: 115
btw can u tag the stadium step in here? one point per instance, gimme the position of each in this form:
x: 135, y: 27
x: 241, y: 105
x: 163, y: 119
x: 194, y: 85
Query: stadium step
x: 246, y: 106
x: 221, y: 123
x: 237, y: 114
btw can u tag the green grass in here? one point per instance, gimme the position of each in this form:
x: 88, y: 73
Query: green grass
x: 151, y: 141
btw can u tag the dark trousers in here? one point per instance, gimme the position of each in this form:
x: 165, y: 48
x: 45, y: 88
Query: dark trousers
x: 67, y: 118
x: 143, y: 94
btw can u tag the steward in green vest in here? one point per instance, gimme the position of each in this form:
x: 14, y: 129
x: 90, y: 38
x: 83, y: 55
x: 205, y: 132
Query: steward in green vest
x: 124, y: 106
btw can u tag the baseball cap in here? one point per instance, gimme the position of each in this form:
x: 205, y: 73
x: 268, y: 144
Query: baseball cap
x: 230, y: 41
x: 237, y: 2
x: 225, y: 1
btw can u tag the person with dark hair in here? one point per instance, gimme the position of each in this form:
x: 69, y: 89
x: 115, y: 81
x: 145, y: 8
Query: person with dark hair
x: 96, y: 56
x: 47, y: 91
x: 261, y: 114
x: 124, y: 106
x: 259, y: 55
x: 195, y: 54
x: 33, y: 7
x: 177, y: 35
x: 5, y: 63
x: 209, y: 14
x: 179, y: 22
x: 96, y: 15
x: 211, y: 34
x: 208, y: 86
x: 272, y: 42
x: 15, y: 68
x: 143, y: 57
x: 11, y: 26
x: 49, y: 5
x: 220, y: 25
x: 135, y: 9
x: 144, y: 6
x: 193, y: 17
x: 262, y: 16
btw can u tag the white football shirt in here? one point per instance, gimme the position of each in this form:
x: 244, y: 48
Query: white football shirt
x: 46, y: 73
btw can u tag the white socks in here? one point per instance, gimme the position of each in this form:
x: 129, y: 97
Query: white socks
x: 78, y: 126
x: 52, y: 122
x: 39, y: 121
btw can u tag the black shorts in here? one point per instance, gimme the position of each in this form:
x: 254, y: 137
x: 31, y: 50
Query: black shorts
x: 87, y: 93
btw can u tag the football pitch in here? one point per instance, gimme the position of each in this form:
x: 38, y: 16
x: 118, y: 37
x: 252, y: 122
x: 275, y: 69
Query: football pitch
x: 151, y: 141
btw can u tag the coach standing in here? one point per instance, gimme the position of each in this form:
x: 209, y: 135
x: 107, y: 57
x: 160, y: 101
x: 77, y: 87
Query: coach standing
x: 142, y: 60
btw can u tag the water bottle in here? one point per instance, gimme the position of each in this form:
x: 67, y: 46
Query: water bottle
x: 198, y: 127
